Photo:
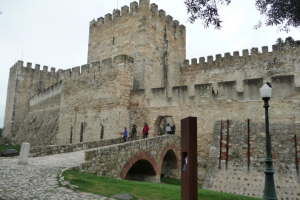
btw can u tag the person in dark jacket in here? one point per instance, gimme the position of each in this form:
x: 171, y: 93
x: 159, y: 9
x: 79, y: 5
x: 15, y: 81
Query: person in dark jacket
x: 145, y: 130
x: 133, y: 132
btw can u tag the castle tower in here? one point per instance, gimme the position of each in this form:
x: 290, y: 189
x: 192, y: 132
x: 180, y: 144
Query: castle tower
x: 154, y: 40
x: 23, y: 83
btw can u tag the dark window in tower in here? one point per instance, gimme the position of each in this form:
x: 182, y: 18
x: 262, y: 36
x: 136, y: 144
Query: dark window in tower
x: 71, y: 134
x: 81, y: 132
x: 102, y: 132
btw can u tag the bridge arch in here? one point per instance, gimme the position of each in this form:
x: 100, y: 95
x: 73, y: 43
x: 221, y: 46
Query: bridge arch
x: 169, y: 162
x: 141, y: 167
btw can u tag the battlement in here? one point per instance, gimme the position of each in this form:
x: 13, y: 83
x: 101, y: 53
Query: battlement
x: 234, y: 59
x: 97, y: 66
x: 51, y: 91
x: 220, y: 91
x: 143, y: 6
x: 28, y: 68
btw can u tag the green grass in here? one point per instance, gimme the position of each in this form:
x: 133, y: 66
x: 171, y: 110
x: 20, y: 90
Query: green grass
x: 18, y: 148
x: 171, y: 181
x: 139, y: 190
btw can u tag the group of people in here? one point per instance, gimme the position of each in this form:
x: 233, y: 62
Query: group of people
x: 145, y: 132
x: 170, y: 129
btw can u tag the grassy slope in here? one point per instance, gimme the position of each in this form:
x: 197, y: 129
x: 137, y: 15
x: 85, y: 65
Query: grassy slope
x: 18, y: 148
x: 139, y: 190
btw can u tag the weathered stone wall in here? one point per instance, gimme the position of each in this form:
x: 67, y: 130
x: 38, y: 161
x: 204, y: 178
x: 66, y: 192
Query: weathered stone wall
x: 10, y: 99
x: 117, y: 160
x: 56, y: 149
x: 48, y: 93
x: 24, y: 82
x: 96, y: 101
x: 211, y: 108
x: 38, y: 128
x: 239, y: 72
x: 154, y: 40
x: 237, y: 165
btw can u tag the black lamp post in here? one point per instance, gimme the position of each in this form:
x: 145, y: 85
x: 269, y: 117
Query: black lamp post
x: 269, y: 191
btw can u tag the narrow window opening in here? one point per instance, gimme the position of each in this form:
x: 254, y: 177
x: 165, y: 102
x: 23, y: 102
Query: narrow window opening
x: 296, y: 154
x: 71, y: 135
x: 221, y: 137
x: 81, y: 132
x: 113, y: 41
x: 227, y: 143
x: 248, y: 144
x: 102, y: 132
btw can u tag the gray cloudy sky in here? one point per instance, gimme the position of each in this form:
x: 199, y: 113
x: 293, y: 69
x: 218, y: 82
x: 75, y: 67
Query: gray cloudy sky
x: 55, y: 32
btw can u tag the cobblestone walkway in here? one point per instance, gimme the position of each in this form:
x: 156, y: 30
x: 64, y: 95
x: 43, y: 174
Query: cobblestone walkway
x: 37, y: 180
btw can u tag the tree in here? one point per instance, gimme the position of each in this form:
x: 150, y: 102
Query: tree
x: 281, y: 13
x: 288, y: 40
x: 0, y: 132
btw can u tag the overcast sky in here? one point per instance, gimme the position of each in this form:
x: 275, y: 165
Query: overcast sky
x: 55, y: 32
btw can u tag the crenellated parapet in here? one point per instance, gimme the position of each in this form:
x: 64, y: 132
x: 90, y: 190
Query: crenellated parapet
x: 51, y: 91
x: 229, y: 60
x: 29, y: 69
x: 131, y: 11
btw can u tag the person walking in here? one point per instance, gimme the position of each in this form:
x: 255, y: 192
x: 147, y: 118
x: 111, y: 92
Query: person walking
x: 173, y: 129
x: 125, y: 134
x: 145, y: 131
x: 133, y: 132
x: 168, y: 129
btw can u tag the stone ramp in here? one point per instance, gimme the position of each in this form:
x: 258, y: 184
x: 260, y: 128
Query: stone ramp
x: 38, y: 179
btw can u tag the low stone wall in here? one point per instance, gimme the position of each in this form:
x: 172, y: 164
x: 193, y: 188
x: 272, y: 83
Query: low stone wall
x: 126, y: 160
x: 65, y: 148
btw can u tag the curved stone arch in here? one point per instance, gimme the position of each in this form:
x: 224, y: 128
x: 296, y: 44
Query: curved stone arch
x: 141, y: 155
x: 165, y: 150
x: 157, y: 122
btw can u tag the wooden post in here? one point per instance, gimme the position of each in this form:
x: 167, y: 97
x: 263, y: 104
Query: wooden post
x: 189, y: 176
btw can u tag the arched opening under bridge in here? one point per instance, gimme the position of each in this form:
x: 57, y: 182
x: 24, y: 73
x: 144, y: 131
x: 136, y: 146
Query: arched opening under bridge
x: 169, y: 165
x: 142, y: 170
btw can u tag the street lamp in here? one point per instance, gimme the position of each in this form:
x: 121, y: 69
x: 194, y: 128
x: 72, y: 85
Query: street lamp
x: 269, y: 191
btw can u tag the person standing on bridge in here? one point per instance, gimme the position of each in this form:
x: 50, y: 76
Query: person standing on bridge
x: 125, y: 134
x: 133, y: 132
x: 168, y: 129
x: 145, y: 130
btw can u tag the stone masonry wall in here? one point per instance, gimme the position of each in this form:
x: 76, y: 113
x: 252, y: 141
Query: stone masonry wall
x: 95, y: 101
x: 213, y: 107
x: 116, y: 160
x: 237, y: 165
x: 38, y: 128
x: 25, y: 82
x: 56, y: 149
x: 154, y: 40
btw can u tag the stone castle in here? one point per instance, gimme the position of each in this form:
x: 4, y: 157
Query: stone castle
x: 137, y: 73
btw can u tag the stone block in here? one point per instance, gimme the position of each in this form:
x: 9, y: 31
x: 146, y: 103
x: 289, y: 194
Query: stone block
x: 23, y: 159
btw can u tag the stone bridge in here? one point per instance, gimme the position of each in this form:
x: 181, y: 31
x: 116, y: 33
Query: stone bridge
x: 143, y: 160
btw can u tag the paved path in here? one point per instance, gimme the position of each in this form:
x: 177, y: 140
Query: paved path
x: 37, y: 180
